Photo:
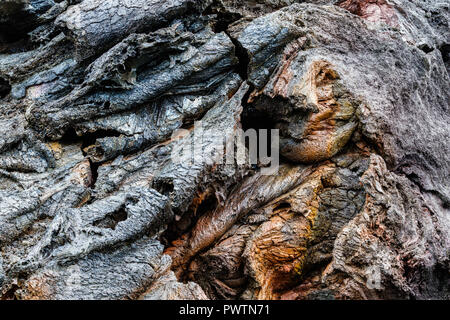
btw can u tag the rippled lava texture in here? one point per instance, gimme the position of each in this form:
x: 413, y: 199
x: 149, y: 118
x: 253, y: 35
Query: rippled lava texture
x: 92, y: 206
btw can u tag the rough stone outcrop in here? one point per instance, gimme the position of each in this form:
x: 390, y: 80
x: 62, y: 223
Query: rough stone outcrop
x: 96, y: 97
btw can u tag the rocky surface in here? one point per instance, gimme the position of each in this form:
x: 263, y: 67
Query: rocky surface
x: 97, y: 96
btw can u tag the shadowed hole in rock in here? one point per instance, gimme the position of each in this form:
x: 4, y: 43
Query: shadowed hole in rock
x: 224, y: 18
x: 257, y: 120
x: 183, y: 223
x: 164, y: 187
x: 15, y: 24
x: 88, y: 141
x: 426, y: 48
x: 85, y: 141
x: 90, y: 138
x: 445, y: 52
x: 112, y: 220
x: 11, y: 293
x: 221, y: 23
x: 70, y: 137
x: 5, y: 88
x: 243, y: 58
x: 94, y: 171
x: 284, y: 206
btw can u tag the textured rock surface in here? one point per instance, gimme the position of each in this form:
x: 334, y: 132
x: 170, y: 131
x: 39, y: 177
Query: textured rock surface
x: 94, y: 206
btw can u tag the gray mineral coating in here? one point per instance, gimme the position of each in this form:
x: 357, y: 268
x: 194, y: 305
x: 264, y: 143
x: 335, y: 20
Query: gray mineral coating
x: 93, y: 206
x: 205, y: 59
x: 95, y: 24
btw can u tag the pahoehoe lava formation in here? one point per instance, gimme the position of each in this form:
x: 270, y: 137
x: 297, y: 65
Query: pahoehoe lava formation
x: 93, y: 205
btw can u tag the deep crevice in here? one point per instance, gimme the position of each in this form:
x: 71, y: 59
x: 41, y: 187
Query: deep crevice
x: 11, y: 293
x: 5, y: 88
x: 71, y: 137
x: 111, y: 220
x: 94, y: 171
x: 164, y: 187
x: 185, y: 222
x: 14, y: 30
x: 223, y: 20
x: 243, y: 58
x: 282, y: 206
x: 90, y: 139
x: 87, y: 139
x: 445, y: 52
x: 223, y: 17
x: 426, y: 48
x: 252, y: 118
